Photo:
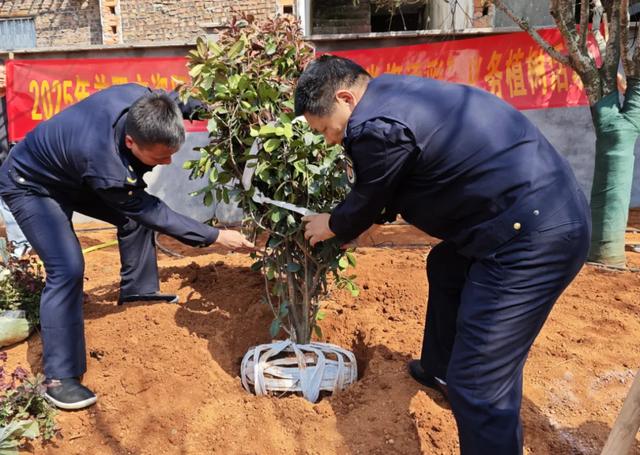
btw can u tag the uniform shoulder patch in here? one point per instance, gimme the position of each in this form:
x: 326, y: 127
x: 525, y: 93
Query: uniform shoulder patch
x: 351, y: 173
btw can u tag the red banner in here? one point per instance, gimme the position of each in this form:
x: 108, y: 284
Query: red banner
x: 39, y: 89
x: 511, y: 66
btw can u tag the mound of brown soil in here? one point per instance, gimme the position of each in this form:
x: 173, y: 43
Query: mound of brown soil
x: 168, y: 382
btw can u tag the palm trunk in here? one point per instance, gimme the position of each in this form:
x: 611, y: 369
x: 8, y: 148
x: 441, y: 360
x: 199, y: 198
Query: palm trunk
x: 616, y: 132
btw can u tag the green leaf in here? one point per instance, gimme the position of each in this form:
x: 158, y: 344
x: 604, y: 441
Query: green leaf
x: 208, y: 199
x: 196, y: 70
x: 270, y: 48
x: 284, y: 309
x: 276, y: 216
x: 300, y: 166
x: 188, y: 164
x: 343, y: 263
x: 271, y: 273
x: 351, y: 258
x: 267, y: 129
x: 320, y: 315
x: 207, y: 82
x: 275, y: 328
x: 288, y: 130
x: 314, y: 169
x: 32, y: 430
x: 351, y: 286
x: 233, y: 81
x: 293, y: 267
x: 274, y: 242
x: 256, y: 266
x: 318, y: 331
x: 213, y: 175
x: 214, y: 48
x: 201, y: 46
x: 308, y: 138
x: 236, y: 49
x: 271, y: 144
x: 212, y: 126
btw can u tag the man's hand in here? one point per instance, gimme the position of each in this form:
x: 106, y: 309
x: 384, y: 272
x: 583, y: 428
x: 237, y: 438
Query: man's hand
x: 317, y: 228
x: 234, y: 241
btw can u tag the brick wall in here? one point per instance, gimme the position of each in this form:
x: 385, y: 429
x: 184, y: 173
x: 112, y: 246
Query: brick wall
x: 340, y: 16
x: 158, y: 20
x: 483, y: 15
x: 77, y: 22
x: 58, y: 22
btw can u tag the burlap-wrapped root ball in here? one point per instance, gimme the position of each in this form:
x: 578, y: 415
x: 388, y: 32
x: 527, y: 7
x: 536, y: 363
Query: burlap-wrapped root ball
x: 284, y: 366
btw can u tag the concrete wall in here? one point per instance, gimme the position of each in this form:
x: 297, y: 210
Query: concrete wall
x: 536, y: 12
x: 571, y: 132
x: 172, y: 185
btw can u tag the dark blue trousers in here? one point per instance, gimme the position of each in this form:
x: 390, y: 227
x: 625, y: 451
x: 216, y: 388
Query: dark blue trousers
x: 484, y: 314
x: 46, y: 223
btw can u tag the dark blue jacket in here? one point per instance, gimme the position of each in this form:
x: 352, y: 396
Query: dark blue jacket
x: 79, y: 157
x: 455, y: 161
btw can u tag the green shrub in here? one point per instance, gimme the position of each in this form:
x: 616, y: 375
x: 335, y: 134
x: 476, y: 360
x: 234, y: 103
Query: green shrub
x: 21, y: 284
x: 247, y: 80
x: 24, y: 412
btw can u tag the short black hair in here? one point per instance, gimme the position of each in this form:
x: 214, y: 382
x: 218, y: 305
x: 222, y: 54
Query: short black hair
x: 321, y: 79
x: 155, y: 119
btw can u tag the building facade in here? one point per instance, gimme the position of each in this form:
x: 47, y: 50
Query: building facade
x: 26, y: 24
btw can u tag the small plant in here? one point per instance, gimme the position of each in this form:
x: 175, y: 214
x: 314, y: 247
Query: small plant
x: 24, y: 412
x: 21, y: 283
x: 247, y: 81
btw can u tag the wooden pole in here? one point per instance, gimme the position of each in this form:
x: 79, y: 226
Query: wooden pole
x: 625, y: 428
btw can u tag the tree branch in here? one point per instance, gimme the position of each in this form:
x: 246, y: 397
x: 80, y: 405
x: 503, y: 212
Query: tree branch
x: 636, y: 52
x: 598, y: 13
x: 627, y: 63
x: 609, y: 70
x: 524, y: 25
x: 563, y: 14
x: 584, y: 24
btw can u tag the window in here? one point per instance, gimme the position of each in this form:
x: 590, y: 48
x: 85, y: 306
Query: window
x: 17, y: 33
x: 406, y: 17
x: 286, y: 6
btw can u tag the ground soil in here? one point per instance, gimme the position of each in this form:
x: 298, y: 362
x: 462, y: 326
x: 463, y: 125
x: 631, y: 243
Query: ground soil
x: 168, y: 382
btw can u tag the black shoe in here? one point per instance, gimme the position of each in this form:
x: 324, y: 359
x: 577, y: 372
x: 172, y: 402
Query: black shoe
x: 69, y: 394
x: 417, y: 372
x: 154, y: 297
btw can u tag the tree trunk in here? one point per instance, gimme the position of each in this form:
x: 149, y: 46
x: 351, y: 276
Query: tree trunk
x: 616, y: 132
x: 625, y: 428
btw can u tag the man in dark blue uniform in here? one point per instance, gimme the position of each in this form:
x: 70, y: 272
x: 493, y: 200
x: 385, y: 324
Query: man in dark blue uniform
x: 90, y: 158
x: 463, y: 166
